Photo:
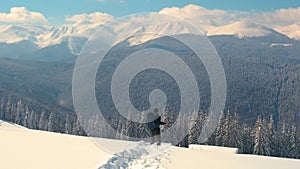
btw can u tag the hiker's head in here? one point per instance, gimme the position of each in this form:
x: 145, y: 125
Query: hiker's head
x: 155, y: 111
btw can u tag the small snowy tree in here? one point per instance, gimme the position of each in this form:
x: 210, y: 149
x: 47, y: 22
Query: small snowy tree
x: 196, y: 127
x: 272, y: 137
x: 291, y: 143
x: 247, y: 140
x: 261, y: 142
x: 282, y: 141
x: 130, y: 129
x: 119, y: 129
x: 235, y: 133
x: 142, y: 130
x: 220, y: 132
x: 227, y: 128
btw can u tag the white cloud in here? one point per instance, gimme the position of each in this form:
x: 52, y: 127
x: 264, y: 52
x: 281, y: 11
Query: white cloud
x: 87, y: 24
x: 20, y: 15
x: 281, y: 17
x: 202, y: 15
x: 93, y: 18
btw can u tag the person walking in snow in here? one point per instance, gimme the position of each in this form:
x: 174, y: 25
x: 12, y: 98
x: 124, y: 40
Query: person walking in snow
x: 154, y: 126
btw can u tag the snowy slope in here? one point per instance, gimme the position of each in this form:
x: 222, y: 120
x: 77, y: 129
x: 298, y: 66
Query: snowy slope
x: 243, y: 29
x: 143, y: 33
x: 54, y: 35
x: 13, y: 33
x: 24, y: 148
x: 292, y: 31
x: 200, y: 157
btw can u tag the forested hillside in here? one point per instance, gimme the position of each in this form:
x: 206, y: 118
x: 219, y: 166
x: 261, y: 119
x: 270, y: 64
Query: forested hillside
x: 263, y: 81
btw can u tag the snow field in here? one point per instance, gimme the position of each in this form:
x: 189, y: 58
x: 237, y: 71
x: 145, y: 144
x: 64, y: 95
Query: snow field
x: 29, y: 149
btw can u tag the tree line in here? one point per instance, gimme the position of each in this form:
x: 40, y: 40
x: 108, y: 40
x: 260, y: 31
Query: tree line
x: 34, y: 116
x: 265, y: 137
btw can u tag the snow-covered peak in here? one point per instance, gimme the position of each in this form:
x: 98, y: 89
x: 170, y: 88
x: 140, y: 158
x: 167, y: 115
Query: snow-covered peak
x: 54, y: 35
x: 146, y: 29
x: 242, y: 29
x: 292, y: 31
x: 14, y: 33
x: 145, y: 33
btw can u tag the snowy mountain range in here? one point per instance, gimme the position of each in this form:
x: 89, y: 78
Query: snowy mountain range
x: 75, y: 36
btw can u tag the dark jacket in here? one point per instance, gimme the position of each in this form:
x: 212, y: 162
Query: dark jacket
x: 152, y: 125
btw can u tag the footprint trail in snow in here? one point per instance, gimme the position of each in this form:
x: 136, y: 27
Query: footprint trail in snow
x: 142, y: 156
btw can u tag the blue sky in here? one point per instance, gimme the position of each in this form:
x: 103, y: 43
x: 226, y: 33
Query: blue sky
x: 57, y: 10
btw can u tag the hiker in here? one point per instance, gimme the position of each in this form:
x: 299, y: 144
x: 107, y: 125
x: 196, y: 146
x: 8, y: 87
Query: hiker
x: 154, y: 126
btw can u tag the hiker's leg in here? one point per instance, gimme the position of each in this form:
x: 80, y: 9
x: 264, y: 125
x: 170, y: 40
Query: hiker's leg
x: 152, y: 137
x: 159, y: 140
x: 152, y: 140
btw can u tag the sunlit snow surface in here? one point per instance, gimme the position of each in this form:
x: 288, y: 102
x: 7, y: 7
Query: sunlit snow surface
x: 29, y: 149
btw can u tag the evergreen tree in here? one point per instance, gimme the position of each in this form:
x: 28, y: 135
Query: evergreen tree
x: 272, y: 137
x: 119, y: 129
x: 261, y: 142
x: 247, y: 140
x: 183, y: 132
x: 227, y: 128
x: 43, y: 121
x: 2, y: 108
x: 291, y: 143
x: 220, y: 133
x: 20, y: 112
x: 235, y: 133
x: 142, y: 130
x: 195, y: 129
x: 282, y: 141
x: 130, y: 129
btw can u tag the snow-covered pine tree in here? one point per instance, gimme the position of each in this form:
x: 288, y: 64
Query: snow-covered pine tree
x: 220, y: 132
x: 123, y: 131
x: 247, y: 139
x: 43, y: 121
x: 31, y: 121
x: 20, y: 113
x: 2, y: 108
x: 272, y: 137
x: 119, y: 129
x: 142, y: 131
x: 298, y: 142
x: 178, y: 133
x: 235, y: 133
x: 261, y: 142
x: 130, y: 127
x: 184, y: 128
x: 195, y: 128
x: 10, y: 108
x: 291, y: 143
x: 51, y: 122
x: 227, y: 126
x: 282, y: 141
x: 27, y: 117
